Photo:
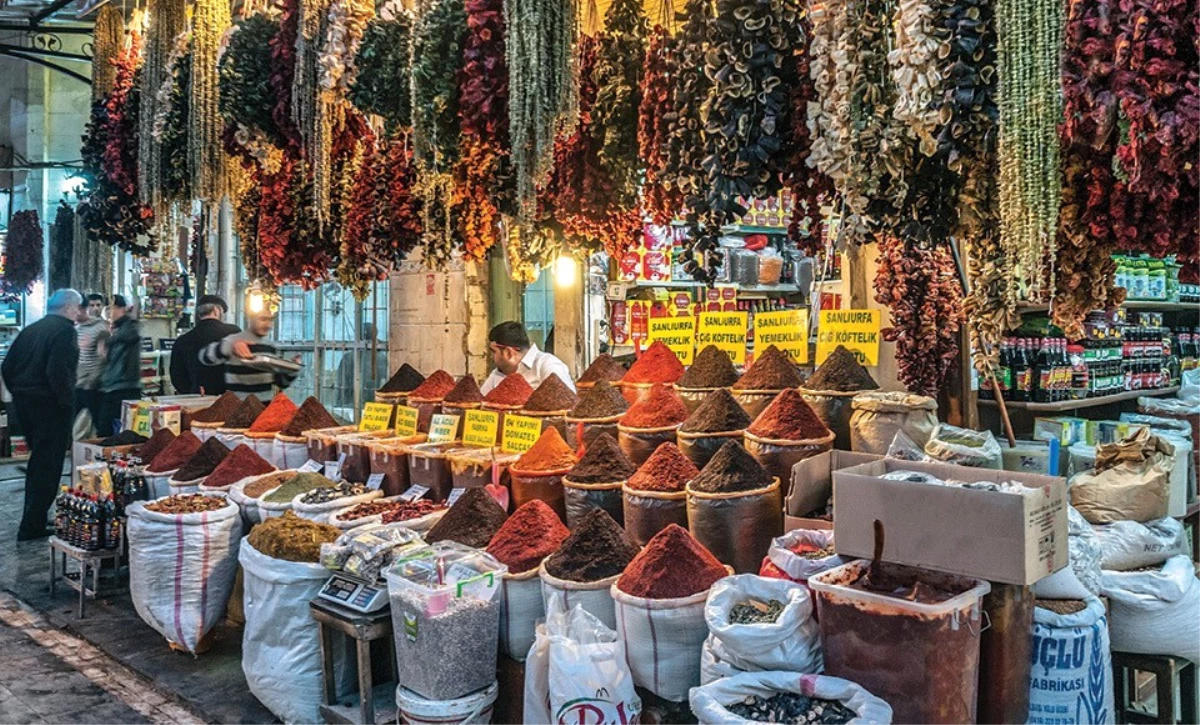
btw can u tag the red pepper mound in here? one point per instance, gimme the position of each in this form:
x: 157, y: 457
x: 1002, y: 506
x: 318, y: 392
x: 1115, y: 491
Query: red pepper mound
x: 221, y: 409
x: 672, y: 565
x: 435, y: 387
x: 772, y: 370
x: 604, y: 367
x: 657, y: 364
x: 666, y: 470
x: 532, y: 533
x: 241, y: 462
x: 789, y: 418
x: 157, y: 444
x: 512, y: 390
x: 311, y: 415
x: 176, y: 453
x: 275, y: 416
x: 659, y: 408
x: 549, y: 453
x: 465, y: 391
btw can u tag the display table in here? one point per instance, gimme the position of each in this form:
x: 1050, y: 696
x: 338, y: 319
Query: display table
x: 89, y: 562
x: 374, y: 703
x: 1174, y: 678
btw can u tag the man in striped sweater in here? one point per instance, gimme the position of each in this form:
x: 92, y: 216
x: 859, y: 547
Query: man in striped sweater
x: 231, y: 351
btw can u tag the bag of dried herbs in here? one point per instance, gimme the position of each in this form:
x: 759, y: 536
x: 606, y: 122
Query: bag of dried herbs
x: 595, y: 482
x: 787, y: 432
x: 710, y: 369
x: 599, y: 408
x: 735, y: 509
x: 832, y: 387
x: 716, y: 421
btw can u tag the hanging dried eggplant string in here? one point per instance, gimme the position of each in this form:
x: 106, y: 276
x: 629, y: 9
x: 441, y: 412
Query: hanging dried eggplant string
x: 167, y: 20
x: 108, y: 38
x: 210, y: 178
x: 810, y: 188
x: 685, y: 149
x: 660, y: 199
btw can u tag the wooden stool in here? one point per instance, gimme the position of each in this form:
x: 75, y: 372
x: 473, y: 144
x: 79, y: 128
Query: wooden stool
x: 1166, y: 669
x: 374, y: 703
x: 90, y: 562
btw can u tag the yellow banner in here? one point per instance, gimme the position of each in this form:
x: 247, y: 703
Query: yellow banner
x: 786, y: 330
x: 141, y: 422
x: 480, y: 428
x: 677, y: 333
x: 856, y: 330
x: 406, y: 421
x: 376, y: 416
x: 443, y: 428
x: 726, y: 330
x: 520, y: 433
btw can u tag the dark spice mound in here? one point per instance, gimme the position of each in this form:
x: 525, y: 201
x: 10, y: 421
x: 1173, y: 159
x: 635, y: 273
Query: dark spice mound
x: 512, y: 390
x: 552, y: 395
x: 718, y: 413
x: 604, y: 367
x: 435, y: 386
x: 310, y: 416
x: 246, y: 413
x: 602, y: 400
x: 219, y: 411
x: 596, y: 549
x: 531, y: 534
x: 203, y: 461
x: 666, y: 470
x: 792, y: 708
x: 472, y: 521
x: 242, y: 462
x: 157, y: 443
x: 659, y: 408
x: 465, y: 391
x: 405, y: 379
x: 124, y: 438
x: 841, y: 373
x: 732, y: 469
x: 772, y: 370
x: 603, y: 462
x: 789, y: 418
x: 711, y: 368
x: 673, y: 564
x: 176, y: 453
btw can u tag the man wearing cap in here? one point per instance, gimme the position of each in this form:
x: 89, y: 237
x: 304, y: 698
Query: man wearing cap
x: 188, y: 374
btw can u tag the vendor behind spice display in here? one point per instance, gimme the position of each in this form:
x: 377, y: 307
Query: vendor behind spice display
x: 188, y: 374
x: 250, y: 379
x: 512, y: 352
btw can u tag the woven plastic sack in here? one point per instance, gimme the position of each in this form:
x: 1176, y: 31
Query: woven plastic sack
x: 1154, y: 612
x: 963, y: 447
x: 779, y: 457
x: 521, y: 607
x: 545, y: 486
x: 1071, y: 680
x: 249, y: 506
x: 709, y: 702
x: 1080, y: 579
x: 595, y: 597
x: 1128, y: 545
x: 663, y: 640
x: 834, y: 409
x: 581, y: 432
x: 699, y: 448
x: 320, y: 512
x: 289, y: 452
x: 782, y: 562
x: 581, y: 498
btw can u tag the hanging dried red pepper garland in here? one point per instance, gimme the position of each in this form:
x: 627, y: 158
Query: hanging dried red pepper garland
x: 661, y: 200
x: 22, y: 253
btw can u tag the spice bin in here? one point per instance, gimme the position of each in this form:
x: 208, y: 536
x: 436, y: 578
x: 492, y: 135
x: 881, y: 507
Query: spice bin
x: 580, y: 432
x: 648, y: 512
x: 322, y: 442
x: 639, y: 443
x: 500, y: 411
x: 429, y: 467
x: 738, y: 527
x: 478, y: 467
x: 357, y: 465
x: 389, y: 456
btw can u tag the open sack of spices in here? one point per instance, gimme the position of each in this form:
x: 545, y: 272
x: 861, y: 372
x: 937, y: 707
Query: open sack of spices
x: 1131, y: 481
x: 196, y: 469
x: 538, y: 473
x: 1153, y: 608
x: 785, y: 433
x: 771, y: 372
x: 182, y: 561
x: 717, y: 420
x: 261, y: 434
x: 321, y: 502
x: 241, y: 464
x: 799, y: 554
x: 550, y: 403
x: 290, y: 449
x: 599, y: 408
x: 787, y: 697
x: 247, y: 492
x: 710, y: 370
x: 734, y: 508
x: 831, y: 389
x: 655, y: 496
x: 878, y: 416
x: 417, y: 515
x: 596, y: 481
x: 651, y: 421
x: 586, y: 565
x: 282, y: 497
x: 657, y: 365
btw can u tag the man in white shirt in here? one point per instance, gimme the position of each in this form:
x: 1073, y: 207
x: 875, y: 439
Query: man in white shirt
x: 513, y: 353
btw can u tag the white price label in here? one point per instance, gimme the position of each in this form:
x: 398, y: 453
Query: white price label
x: 374, y: 481
x: 414, y: 493
x: 455, y: 495
x: 310, y: 467
x: 333, y: 470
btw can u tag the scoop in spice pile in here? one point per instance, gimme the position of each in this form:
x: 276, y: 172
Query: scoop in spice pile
x: 292, y: 538
x: 275, y: 416
x: 465, y: 391
x: 792, y: 708
x: 755, y: 611
x: 602, y: 462
x: 842, y: 373
x: 602, y: 400
x: 596, y: 549
x: 772, y: 370
x: 203, y: 462
x: 267, y: 483
x: 711, y: 368
x: 325, y: 494
x: 672, y: 565
x: 242, y: 462
x: 549, y: 453
x: 789, y: 418
x: 551, y: 396
x: 435, y: 387
x: 221, y: 409
x: 717, y: 413
x: 176, y: 453
x: 246, y: 413
x: 659, y: 408
x: 296, y: 485
x: 186, y: 503
x: 513, y: 390
x: 731, y: 470
x: 472, y: 521
x: 311, y: 415
x: 667, y: 470
x: 532, y: 533
x: 406, y: 379
x: 604, y: 367
x: 158, y: 442
x: 657, y: 364
x: 124, y: 438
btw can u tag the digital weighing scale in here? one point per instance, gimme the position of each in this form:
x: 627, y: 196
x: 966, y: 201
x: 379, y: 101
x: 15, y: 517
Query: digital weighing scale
x: 355, y: 594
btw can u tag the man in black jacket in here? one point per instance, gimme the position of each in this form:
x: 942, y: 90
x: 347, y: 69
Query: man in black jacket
x: 188, y: 374
x: 121, y: 377
x: 39, y: 371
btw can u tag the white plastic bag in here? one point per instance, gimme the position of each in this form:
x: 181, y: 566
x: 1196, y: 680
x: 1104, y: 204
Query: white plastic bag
x: 791, y: 643
x: 521, y: 607
x: 964, y: 447
x: 1155, y: 612
x: 1128, y: 545
x: 1071, y: 679
x: 159, y: 484
x: 576, y: 672
x: 902, y: 448
x: 663, y: 640
x: 320, y: 512
x: 709, y: 702
x: 595, y: 597
x: 181, y: 569
x: 782, y: 559
x: 1080, y: 579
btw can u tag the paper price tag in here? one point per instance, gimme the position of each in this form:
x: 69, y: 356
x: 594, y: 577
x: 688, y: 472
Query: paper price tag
x: 406, y: 421
x: 677, y: 333
x: 726, y: 330
x: 856, y: 330
x: 443, y: 428
x: 376, y: 416
x: 455, y: 495
x: 520, y: 433
x: 414, y: 492
x: 786, y: 330
x: 333, y: 470
x: 310, y: 467
x: 374, y: 481
x: 141, y: 423
x: 480, y: 428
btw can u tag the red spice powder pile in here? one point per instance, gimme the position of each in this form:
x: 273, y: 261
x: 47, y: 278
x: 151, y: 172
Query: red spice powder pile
x: 464, y: 392
x: 176, y: 453
x: 246, y: 414
x: 513, y: 390
x: 311, y: 415
x: 666, y: 470
x: 549, y: 453
x: 659, y: 408
x: 275, y: 416
x: 241, y: 462
x: 657, y: 364
x: 551, y: 396
x: 788, y: 418
x: 434, y: 388
x: 157, y: 443
x: 772, y: 370
x: 532, y: 533
x: 672, y: 565
x: 221, y: 409
x: 604, y: 367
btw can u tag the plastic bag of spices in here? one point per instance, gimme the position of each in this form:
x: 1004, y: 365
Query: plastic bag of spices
x: 878, y: 416
x: 799, y: 554
x: 711, y: 703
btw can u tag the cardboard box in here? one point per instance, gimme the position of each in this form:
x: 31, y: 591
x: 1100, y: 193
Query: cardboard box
x: 1065, y: 428
x: 812, y: 481
x: 997, y: 536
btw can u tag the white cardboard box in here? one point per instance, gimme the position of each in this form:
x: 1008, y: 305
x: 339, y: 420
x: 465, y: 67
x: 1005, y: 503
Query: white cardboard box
x: 997, y: 536
x: 812, y: 480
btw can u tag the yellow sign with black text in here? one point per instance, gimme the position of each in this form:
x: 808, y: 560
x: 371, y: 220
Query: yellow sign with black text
x: 726, y: 330
x: 376, y: 416
x: 480, y: 428
x: 786, y: 330
x: 520, y: 433
x: 443, y: 428
x: 406, y: 421
x: 856, y: 330
x: 677, y: 333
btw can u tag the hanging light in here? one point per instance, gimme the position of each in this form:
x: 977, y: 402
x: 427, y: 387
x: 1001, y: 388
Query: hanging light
x: 566, y: 270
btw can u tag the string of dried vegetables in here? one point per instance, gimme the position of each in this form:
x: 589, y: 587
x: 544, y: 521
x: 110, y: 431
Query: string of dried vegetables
x: 683, y: 170
x: 381, y: 86
x: 167, y: 21
x: 170, y: 130
x: 810, y: 188
x: 62, y: 246
x: 108, y: 39
x: 248, y: 94
x: 210, y: 179
x: 661, y: 200
x: 22, y: 253
x: 618, y: 76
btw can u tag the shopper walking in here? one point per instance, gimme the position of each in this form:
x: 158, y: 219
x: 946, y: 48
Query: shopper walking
x: 121, y: 376
x: 188, y: 374
x: 512, y: 352
x: 39, y: 371
x: 92, y: 332
x: 233, y: 352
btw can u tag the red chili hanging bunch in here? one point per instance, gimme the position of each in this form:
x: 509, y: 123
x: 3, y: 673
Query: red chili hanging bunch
x: 397, y: 229
x: 661, y: 199
x: 283, y: 54
x: 22, y: 253
x: 292, y: 247
x: 920, y: 287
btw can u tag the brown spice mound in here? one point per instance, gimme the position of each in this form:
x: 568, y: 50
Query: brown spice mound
x: 772, y: 370
x: 604, y: 367
x: 219, y: 411
x: 731, y: 470
x: 203, y: 462
x: 157, y: 443
x: 267, y: 483
x: 513, y: 390
x: 551, y: 396
x: 310, y: 416
x: 603, y: 462
x: 667, y: 470
x: 247, y: 412
x: 435, y: 387
x: 789, y: 418
x: 465, y: 391
x: 292, y: 538
x: 549, y: 453
x: 1063, y: 606
x: 596, y: 549
x: 718, y: 413
x: 841, y: 373
x: 658, y: 408
x: 602, y: 400
x: 472, y: 521
x: 405, y: 379
x: 176, y: 453
x: 711, y: 368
